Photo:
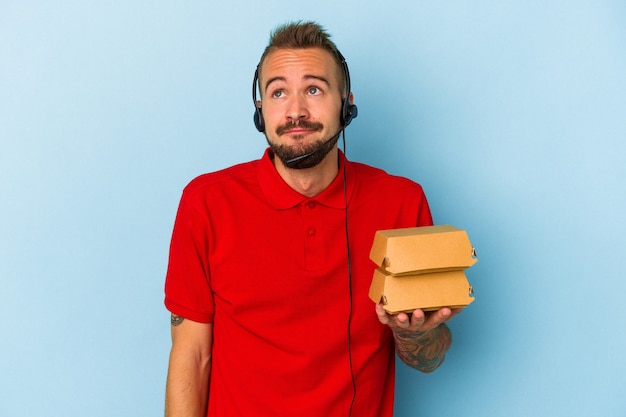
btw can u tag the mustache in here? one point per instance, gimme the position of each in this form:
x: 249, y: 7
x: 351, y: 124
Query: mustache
x: 304, y: 124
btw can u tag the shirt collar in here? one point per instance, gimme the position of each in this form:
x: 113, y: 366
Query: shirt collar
x: 282, y: 196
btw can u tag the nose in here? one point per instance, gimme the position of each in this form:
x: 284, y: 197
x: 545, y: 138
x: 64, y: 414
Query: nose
x: 297, y: 109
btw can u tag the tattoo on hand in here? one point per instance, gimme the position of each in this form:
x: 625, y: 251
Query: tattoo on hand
x: 424, y: 351
x: 176, y: 320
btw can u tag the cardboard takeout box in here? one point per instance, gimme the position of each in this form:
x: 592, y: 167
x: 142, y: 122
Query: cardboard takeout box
x: 421, y: 267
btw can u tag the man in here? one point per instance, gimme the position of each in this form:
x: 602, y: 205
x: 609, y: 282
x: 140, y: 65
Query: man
x: 269, y: 273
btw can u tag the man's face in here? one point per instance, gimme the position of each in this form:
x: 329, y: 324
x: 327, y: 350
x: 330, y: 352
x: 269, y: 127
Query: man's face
x: 301, y: 99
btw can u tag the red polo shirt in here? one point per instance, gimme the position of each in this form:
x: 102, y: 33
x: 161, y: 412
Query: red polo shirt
x: 268, y: 267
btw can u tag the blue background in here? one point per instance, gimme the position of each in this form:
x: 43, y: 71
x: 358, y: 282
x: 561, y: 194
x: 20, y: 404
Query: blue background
x: 512, y: 115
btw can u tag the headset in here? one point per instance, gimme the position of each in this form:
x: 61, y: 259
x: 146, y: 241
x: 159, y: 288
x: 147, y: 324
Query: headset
x: 348, y: 110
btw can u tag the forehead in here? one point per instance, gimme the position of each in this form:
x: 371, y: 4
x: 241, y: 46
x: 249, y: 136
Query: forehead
x: 298, y: 63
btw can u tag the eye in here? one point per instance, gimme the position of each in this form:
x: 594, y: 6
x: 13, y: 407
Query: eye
x: 313, y: 91
x: 278, y: 93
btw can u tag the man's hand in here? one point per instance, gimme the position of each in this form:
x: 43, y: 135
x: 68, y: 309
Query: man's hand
x: 421, y: 338
x: 418, y: 321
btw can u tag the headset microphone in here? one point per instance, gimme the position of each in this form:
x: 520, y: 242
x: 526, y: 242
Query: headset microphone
x: 290, y: 163
x: 293, y: 162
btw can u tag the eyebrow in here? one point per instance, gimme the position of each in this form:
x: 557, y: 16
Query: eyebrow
x: 306, y: 77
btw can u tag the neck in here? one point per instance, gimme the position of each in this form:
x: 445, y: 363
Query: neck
x: 311, y: 181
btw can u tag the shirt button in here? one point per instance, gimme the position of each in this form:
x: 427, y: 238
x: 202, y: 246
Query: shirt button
x: 311, y: 204
x: 311, y: 231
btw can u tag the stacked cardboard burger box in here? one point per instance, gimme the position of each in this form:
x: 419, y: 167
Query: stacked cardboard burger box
x: 421, y: 267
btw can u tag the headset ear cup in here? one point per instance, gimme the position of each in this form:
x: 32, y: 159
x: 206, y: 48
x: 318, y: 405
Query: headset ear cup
x: 258, y: 120
x: 354, y: 111
x: 259, y: 123
x: 348, y: 112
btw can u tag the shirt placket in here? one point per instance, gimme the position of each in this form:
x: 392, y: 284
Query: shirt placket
x: 313, y: 247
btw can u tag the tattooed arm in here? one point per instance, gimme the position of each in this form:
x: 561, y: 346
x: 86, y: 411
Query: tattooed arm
x: 187, y: 389
x: 421, y: 340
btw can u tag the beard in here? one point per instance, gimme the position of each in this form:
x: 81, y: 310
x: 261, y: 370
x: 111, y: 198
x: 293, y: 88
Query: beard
x: 312, y: 154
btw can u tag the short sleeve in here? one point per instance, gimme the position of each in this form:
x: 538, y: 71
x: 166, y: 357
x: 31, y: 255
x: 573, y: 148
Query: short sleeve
x: 188, y: 281
x: 424, y: 216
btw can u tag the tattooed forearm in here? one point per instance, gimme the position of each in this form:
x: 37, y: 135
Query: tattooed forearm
x: 176, y: 320
x: 423, y: 351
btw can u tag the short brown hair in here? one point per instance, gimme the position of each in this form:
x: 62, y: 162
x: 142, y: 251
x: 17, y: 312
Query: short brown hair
x: 303, y: 35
